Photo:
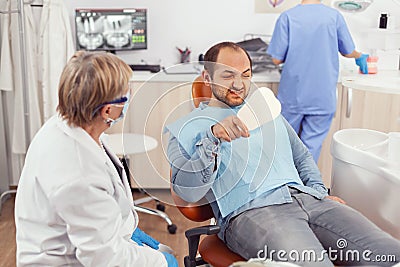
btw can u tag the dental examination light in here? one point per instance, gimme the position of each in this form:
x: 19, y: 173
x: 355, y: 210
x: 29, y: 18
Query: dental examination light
x: 352, y: 6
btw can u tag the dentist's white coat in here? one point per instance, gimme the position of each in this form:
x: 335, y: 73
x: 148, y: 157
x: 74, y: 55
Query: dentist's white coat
x: 72, y: 207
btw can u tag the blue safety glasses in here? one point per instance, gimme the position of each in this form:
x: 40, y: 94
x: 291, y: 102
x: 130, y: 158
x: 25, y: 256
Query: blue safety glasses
x: 119, y: 101
x: 112, y: 102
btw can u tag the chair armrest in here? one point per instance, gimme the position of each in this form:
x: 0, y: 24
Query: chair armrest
x: 193, y: 237
x: 202, y: 230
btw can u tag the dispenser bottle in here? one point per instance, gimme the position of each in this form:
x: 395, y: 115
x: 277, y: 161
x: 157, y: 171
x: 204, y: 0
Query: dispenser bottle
x: 383, y: 21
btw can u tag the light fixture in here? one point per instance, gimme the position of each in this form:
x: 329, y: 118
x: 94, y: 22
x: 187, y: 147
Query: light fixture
x: 352, y: 6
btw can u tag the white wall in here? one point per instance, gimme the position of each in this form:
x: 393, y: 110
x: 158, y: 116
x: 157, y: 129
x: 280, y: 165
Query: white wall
x: 199, y: 24
x: 193, y: 23
x: 360, y: 23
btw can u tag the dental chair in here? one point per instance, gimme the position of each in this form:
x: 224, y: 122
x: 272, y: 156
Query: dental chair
x: 211, y: 249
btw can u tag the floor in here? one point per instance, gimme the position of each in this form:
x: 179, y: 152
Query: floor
x: 152, y: 225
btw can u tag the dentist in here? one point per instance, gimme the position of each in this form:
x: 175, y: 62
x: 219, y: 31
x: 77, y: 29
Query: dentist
x: 74, y: 206
x: 307, y: 38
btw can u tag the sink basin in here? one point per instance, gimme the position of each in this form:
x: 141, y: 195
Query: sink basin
x: 352, y: 144
x: 360, y: 138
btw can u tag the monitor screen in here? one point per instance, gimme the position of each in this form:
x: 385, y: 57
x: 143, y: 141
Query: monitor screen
x: 111, y: 29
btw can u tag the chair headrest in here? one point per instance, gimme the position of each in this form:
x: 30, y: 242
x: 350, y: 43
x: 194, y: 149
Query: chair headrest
x: 200, y: 91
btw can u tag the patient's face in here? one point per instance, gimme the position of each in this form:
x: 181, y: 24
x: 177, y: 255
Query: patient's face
x: 232, y: 77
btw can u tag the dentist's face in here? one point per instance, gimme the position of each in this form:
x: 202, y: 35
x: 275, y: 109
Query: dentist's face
x: 231, y: 80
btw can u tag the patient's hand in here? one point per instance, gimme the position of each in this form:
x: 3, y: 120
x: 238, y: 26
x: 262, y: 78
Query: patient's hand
x: 230, y: 129
x: 337, y: 199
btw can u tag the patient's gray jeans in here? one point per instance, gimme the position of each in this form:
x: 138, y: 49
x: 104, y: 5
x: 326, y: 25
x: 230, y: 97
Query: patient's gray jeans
x: 311, y: 232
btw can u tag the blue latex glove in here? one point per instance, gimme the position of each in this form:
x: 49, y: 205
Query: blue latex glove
x: 141, y: 238
x: 172, y: 262
x: 362, y: 63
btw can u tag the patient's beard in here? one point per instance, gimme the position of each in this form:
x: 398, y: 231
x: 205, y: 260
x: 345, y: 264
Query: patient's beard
x: 221, y: 93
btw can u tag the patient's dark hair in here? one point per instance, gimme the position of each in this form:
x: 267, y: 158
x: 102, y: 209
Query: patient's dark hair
x: 212, y: 54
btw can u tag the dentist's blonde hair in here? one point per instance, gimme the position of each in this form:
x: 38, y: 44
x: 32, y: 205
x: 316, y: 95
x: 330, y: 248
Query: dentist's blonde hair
x: 88, y: 80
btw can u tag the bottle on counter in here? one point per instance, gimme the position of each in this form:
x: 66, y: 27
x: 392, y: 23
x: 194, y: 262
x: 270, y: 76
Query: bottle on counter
x: 383, y: 21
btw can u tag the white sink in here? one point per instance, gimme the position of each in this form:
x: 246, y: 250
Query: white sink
x: 364, y: 177
x: 349, y: 143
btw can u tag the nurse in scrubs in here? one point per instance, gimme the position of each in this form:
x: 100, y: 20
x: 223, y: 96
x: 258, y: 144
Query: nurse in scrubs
x: 307, y: 38
x: 74, y: 205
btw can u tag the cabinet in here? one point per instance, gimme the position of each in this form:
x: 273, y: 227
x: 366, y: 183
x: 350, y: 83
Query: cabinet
x: 370, y: 110
x: 154, y: 105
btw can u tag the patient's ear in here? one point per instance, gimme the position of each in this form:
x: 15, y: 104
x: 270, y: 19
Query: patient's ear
x: 206, y: 77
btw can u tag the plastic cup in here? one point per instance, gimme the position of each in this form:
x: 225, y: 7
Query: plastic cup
x: 372, y: 62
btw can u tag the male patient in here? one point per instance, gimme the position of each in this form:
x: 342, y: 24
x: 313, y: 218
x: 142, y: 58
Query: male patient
x: 288, y: 212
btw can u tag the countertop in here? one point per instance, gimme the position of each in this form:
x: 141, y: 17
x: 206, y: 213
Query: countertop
x: 145, y: 76
x: 385, y: 81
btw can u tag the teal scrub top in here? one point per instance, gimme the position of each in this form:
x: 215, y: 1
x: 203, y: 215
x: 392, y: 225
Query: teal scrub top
x: 308, y: 38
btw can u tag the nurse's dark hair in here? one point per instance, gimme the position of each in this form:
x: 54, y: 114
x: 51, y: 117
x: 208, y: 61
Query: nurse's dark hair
x: 211, y: 56
x: 89, y: 80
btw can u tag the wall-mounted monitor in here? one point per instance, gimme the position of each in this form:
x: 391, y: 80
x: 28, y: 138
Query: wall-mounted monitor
x: 111, y: 29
